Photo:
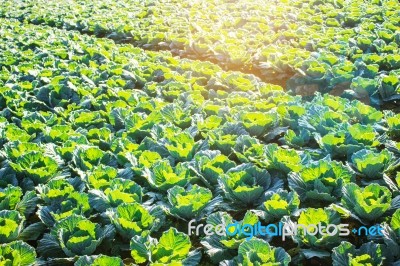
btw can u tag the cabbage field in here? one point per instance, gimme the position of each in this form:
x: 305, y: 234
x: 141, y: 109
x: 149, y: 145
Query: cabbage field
x: 130, y: 128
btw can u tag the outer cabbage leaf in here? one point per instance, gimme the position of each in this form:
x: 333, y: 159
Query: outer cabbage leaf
x: 74, y: 235
x: 321, y: 119
x: 371, y: 165
x: 259, y: 252
x: 284, y: 160
x: 311, y: 216
x: 73, y: 203
x: 120, y: 191
x: 296, y: 140
x: 163, y: 176
x: 138, y: 125
x: 85, y: 118
x: 191, y: 203
x: 258, y: 123
x: 9, y: 197
x: 11, y: 225
x: 290, y: 114
x: 211, y: 165
x: 395, y: 222
x: 224, y: 138
x: 100, y: 176
x: 14, y: 133
x: 87, y: 157
x: 320, y: 181
x: 100, y: 137
x: 394, y: 125
x: 362, y: 135
x: 35, y: 165
x: 225, y: 247
x: 70, y: 146
x: 172, y: 248
x: 7, y: 177
x: 209, y: 123
x: 278, y: 204
x: 55, y: 190
x: 59, y: 133
x: 368, y: 254
x: 248, y: 149
x: 182, y: 146
x: 131, y: 219
x: 364, y: 113
x: 17, y: 253
x: 246, y: 185
x: 337, y: 144
x: 176, y: 115
x: 146, y: 159
x: 391, y: 236
x: 368, y: 203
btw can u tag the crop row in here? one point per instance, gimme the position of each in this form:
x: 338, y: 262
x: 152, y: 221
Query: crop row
x: 107, y: 149
x: 348, y: 48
